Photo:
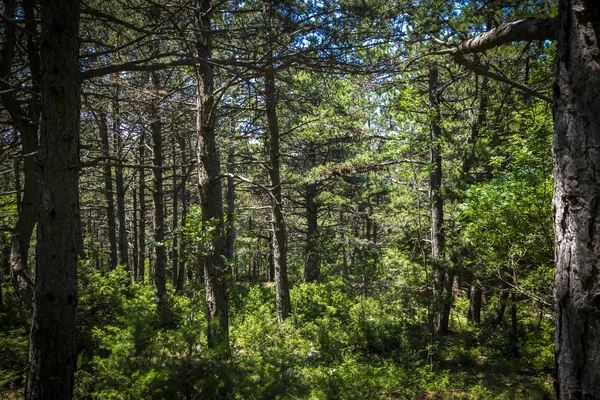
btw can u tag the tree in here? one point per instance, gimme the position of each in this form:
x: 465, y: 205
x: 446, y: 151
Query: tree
x: 576, y: 194
x: 209, y: 168
x: 52, y: 341
x: 577, y: 182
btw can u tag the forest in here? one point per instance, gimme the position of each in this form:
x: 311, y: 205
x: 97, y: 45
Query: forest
x: 299, y: 199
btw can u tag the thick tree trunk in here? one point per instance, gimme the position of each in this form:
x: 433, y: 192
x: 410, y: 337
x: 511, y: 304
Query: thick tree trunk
x: 160, y: 264
x: 437, y: 208
x: 313, y: 257
x: 577, y: 201
x: 210, y: 185
x: 282, y: 296
x: 108, y: 195
x: 52, y: 342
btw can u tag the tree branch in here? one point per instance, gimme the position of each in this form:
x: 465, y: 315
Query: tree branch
x: 522, y: 30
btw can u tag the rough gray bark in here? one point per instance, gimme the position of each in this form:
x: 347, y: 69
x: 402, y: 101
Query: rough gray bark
x: 52, y: 342
x: 209, y: 169
x: 108, y: 195
x: 577, y: 201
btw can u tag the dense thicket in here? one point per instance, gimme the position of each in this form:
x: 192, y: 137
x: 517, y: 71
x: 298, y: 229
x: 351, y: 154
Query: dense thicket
x: 262, y: 199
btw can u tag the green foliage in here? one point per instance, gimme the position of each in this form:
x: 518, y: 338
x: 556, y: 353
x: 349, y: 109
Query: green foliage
x: 14, y: 335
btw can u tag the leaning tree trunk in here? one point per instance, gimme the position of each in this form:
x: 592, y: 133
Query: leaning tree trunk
x: 210, y: 185
x: 577, y: 201
x: 52, y: 342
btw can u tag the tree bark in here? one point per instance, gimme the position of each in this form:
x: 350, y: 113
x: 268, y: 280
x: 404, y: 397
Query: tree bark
x: 282, y: 296
x: 209, y: 169
x: 108, y: 195
x: 52, y: 341
x: 577, y: 201
x: 525, y: 29
x: 436, y: 206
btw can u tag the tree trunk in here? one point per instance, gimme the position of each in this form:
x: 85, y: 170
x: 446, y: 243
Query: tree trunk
x: 183, y: 252
x: 230, y: 229
x: 26, y: 122
x: 270, y: 259
x: 209, y: 169
x: 437, y: 206
x: 142, y: 199
x: 108, y: 195
x: 282, y: 296
x: 577, y: 201
x: 175, y: 258
x: 160, y: 250
x: 313, y: 257
x: 474, y: 315
x: 52, y: 341
x: 135, y: 237
x: 120, y: 188
x: 501, y: 306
